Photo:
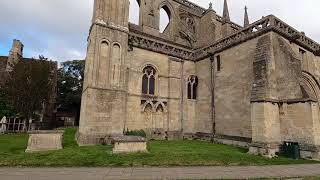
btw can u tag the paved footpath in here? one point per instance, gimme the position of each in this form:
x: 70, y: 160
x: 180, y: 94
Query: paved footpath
x: 289, y: 171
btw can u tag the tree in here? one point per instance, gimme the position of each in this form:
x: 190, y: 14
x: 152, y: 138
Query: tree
x: 26, y: 90
x: 70, y: 83
x: 5, y: 108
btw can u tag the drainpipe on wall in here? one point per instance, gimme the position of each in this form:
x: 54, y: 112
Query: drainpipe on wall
x: 182, y: 97
x: 213, y: 109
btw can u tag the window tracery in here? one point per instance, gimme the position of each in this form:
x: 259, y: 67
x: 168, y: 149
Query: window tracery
x: 149, y: 81
x: 192, y: 87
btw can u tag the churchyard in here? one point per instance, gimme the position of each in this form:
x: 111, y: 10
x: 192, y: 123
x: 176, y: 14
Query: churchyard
x: 160, y: 153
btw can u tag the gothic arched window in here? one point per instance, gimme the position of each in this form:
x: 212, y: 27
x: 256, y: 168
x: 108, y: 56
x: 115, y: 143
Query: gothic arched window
x: 134, y: 11
x: 165, y: 17
x: 149, y: 81
x: 192, y: 87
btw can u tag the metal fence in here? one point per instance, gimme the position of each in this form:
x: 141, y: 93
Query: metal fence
x: 12, y: 125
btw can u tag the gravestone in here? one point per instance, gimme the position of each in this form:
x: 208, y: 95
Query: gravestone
x: 44, y: 141
x: 129, y: 144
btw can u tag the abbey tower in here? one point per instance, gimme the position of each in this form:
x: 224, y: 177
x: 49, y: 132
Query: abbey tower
x: 104, y: 94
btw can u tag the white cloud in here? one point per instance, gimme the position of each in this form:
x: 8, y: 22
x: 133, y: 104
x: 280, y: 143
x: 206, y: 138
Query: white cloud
x: 58, y: 29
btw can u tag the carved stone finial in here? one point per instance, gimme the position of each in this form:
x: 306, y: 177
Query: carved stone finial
x: 246, y: 17
x: 226, y: 16
x: 210, y: 5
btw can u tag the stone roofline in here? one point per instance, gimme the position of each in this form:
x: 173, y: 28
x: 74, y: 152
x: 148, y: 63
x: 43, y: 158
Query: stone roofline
x: 200, y: 11
x: 139, y: 39
x: 262, y: 26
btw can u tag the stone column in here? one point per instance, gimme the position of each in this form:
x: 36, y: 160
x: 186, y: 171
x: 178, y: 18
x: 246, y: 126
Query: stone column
x: 265, y: 129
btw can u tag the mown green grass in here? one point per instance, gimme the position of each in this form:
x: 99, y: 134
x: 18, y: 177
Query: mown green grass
x: 161, y: 153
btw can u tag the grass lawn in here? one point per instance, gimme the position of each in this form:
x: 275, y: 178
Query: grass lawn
x: 161, y: 153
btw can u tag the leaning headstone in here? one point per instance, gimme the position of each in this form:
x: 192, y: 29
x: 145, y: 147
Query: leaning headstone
x: 129, y: 144
x: 44, y: 141
x: 3, y: 125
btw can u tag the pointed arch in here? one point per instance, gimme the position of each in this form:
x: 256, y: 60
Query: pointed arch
x: 104, y: 62
x: 311, y: 86
x: 149, y: 80
x: 192, y: 88
x: 134, y: 12
x: 116, y: 64
x: 146, y: 105
x: 165, y: 18
x: 164, y: 107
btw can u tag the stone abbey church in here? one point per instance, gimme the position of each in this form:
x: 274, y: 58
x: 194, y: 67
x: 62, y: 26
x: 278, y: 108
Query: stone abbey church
x: 255, y: 85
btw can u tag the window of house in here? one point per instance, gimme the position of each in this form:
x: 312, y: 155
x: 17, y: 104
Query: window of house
x: 192, y: 87
x: 149, y: 80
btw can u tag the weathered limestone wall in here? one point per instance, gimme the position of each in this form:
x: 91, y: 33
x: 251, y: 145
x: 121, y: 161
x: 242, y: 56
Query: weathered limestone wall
x: 300, y: 123
x: 174, y: 86
x: 265, y: 123
x: 309, y: 62
x: 187, y: 23
x: 103, y: 107
x: 189, y: 105
x: 204, y: 121
x: 172, y: 76
x: 139, y: 59
x: 233, y: 85
x: 281, y: 111
x: 170, y: 71
x: 101, y: 114
x: 284, y: 71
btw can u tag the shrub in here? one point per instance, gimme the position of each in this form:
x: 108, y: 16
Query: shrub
x: 136, y: 133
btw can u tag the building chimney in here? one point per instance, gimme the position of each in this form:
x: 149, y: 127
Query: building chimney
x: 16, y: 53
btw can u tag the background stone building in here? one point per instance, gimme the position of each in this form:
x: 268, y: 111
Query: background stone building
x: 255, y: 84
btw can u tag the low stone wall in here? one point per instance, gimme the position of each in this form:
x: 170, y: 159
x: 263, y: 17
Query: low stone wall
x: 44, y: 141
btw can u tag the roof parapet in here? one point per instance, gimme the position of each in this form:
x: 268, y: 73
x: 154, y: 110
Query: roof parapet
x: 266, y: 24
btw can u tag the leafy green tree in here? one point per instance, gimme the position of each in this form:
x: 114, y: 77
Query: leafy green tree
x: 26, y: 90
x: 70, y: 83
x: 5, y: 108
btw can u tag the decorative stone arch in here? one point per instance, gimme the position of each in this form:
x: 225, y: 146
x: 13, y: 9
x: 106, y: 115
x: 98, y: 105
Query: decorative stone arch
x: 149, y: 64
x: 103, y: 62
x: 166, y: 5
x: 310, y: 85
x: 192, y: 82
x: 165, y: 109
x: 116, y: 62
x: 144, y: 105
x: 104, y: 39
x: 139, y: 14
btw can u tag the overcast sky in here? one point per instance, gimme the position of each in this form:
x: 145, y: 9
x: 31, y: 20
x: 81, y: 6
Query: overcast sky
x: 58, y: 29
